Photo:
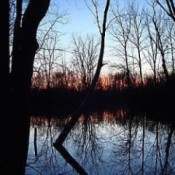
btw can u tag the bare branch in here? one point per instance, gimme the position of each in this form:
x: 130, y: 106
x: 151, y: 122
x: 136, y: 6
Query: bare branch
x: 76, y: 115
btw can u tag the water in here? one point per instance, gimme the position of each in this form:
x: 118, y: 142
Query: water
x: 115, y: 142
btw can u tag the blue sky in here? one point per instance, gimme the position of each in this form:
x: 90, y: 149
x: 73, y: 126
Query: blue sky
x: 81, y: 22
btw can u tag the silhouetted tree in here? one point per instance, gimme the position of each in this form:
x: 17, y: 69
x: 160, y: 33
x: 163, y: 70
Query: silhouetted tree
x: 48, y: 53
x: 168, y: 6
x: 4, y: 50
x: 58, y: 144
x: 47, y: 59
x: 137, y: 37
x: 121, y: 31
x: 85, y: 58
x: 102, y: 29
x: 171, y: 42
x: 25, y: 45
x: 151, y: 50
x: 19, y: 73
x: 161, y: 44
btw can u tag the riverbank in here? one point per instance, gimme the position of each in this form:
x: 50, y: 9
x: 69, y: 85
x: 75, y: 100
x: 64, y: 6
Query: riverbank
x: 146, y: 98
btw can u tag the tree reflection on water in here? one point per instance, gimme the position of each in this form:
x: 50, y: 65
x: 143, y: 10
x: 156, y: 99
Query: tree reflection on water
x: 111, y: 142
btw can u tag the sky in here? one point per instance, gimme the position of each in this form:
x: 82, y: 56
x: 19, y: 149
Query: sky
x: 81, y: 22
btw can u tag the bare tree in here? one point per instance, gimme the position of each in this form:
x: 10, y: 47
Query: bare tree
x: 168, y: 6
x: 4, y: 49
x: 85, y: 58
x: 25, y: 44
x: 66, y: 75
x: 137, y: 37
x: 120, y: 30
x: 24, y: 48
x: 47, y: 59
x: 159, y: 26
x: 64, y: 133
x: 170, y: 43
x: 151, y: 51
x: 75, y: 117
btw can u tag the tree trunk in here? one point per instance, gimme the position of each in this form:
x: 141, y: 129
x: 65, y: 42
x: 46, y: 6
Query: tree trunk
x: 59, y: 141
x: 4, y: 50
x: 24, y: 51
x: 15, y: 116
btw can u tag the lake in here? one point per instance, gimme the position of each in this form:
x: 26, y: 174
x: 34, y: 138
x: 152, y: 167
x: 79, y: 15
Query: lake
x: 110, y: 142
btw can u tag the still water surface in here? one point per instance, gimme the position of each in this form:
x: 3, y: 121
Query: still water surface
x: 116, y: 142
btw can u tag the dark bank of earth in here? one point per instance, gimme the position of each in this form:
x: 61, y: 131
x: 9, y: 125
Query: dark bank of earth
x: 64, y: 101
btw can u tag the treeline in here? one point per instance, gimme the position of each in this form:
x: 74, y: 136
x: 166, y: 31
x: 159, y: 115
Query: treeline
x: 140, y: 71
x: 148, y: 96
x: 141, y: 50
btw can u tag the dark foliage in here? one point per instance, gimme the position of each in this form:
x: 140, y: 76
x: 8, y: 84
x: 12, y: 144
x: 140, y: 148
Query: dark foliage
x: 150, y: 97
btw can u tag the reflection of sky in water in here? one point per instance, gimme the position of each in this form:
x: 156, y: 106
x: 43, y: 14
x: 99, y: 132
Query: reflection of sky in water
x: 104, y: 144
